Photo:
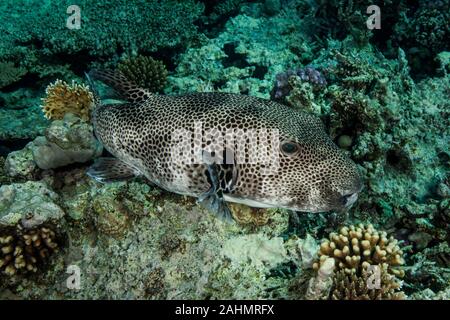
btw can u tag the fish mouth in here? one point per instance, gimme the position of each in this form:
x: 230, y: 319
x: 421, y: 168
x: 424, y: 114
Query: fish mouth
x: 349, y: 199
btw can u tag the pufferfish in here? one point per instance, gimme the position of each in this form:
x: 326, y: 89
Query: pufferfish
x: 222, y: 147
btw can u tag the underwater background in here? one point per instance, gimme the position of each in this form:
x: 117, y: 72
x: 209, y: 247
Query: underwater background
x: 383, y: 95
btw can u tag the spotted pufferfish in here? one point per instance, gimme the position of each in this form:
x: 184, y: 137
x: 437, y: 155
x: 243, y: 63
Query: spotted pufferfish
x: 306, y: 171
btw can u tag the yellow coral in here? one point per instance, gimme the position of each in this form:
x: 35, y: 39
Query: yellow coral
x: 356, y: 248
x: 63, y: 98
x: 26, y: 250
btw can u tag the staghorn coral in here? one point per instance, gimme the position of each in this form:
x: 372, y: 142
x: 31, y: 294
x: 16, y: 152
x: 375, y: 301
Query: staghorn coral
x: 356, y: 248
x: 146, y: 72
x: 25, y: 250
x: 65, y: 98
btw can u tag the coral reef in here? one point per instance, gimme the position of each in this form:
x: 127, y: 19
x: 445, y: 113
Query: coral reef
x: 382, y: 96
x: 20, y: 164
x: 239, y: 61
x: 144, y: 71
x: 111, y: 216
x: 425, y: 30
x: 4, y: 178
x: 167, y: 24
x: 62, y: 98
x: 319, y: 286
x: 26, y: 123
x: 246, y: 215
x: 66, y: 141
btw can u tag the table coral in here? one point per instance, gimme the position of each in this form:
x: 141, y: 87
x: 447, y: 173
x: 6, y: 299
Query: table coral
x: 149, y: 25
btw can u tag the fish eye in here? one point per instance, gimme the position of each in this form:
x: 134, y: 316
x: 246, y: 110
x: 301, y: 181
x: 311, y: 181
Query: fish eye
x: 289, y: 147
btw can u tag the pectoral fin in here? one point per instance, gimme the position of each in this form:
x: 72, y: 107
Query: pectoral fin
x: 213, y: 199
x: 111, y: 169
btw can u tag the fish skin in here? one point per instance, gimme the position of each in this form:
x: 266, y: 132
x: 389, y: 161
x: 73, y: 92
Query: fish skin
x: 317, y: 177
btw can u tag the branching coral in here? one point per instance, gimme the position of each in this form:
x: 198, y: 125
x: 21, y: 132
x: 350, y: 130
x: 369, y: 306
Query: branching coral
x: 10, y: 73
x: 146, y: 72
x: 353, y: 287
x: 360, y: 252
x: 26, y: 250
x: 65, y: 98
x: 356, y: 247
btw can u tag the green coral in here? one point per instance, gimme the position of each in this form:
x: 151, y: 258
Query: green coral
x: 144, y: 71
x: 9, y: 73
x: 149, y: 25
x: 245, y: 57
x: 425, y: 30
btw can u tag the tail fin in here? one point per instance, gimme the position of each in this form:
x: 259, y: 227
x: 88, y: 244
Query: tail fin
x: 126, y: 89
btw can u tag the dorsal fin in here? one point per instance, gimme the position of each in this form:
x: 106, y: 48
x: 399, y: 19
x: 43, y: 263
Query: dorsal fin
x: 127, y: 89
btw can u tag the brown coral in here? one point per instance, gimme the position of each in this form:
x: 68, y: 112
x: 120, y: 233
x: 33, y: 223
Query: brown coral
x: 63, y: 98
x: 111, y: 216
x: 353, y: 287
x: 145, y: 72
x: 246, y: 215
x: 356, y: 248
x: 25, y: 250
